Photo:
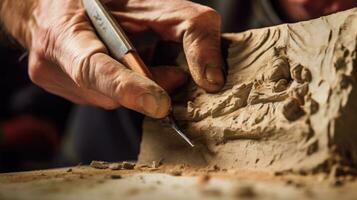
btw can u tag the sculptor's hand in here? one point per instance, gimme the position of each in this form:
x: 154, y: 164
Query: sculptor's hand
x: 67, y: 58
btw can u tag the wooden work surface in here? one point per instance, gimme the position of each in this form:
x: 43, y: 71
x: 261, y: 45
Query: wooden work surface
x: 84, y: 182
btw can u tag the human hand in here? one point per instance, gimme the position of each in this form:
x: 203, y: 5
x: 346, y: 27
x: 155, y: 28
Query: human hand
x: 67, y: 58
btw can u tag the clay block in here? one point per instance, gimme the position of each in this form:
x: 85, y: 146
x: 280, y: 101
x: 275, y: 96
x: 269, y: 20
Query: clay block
x: 290, y: 102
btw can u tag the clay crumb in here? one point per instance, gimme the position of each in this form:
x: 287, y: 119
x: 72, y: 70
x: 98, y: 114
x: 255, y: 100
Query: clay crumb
x: 214, y: 168
x: 155, y: 164
x: 99, y: 164
x: 115, y: 166
x: 279, y: 173
x: 293, y: 183
x: 69, y: 170
x: 175, y: 172
x: 128, y: 165
x: 116, y: 176
x: 141, y: 166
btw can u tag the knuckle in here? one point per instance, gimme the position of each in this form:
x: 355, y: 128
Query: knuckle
x: 42, y: 41
x: 203, y: 16
x: 205, y: 24
x: 35, y: 72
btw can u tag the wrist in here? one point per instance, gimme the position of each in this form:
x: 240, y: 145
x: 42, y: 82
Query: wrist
x: 16, y: 19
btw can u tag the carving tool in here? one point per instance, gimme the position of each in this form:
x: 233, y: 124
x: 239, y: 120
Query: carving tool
x: 121, y: 48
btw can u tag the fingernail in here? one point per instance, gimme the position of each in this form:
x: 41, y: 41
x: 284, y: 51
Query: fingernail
x: 214, y: 75
x: 149, y: 104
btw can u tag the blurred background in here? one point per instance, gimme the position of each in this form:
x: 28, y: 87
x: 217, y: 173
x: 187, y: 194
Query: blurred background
x: 32, y: 121
x: 39, y: 130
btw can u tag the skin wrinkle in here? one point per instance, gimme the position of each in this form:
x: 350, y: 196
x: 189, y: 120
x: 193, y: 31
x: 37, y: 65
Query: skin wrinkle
x: 107, y: 68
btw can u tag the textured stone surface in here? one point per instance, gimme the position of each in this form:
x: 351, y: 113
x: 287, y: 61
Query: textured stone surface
x: 289, y: 102
x: 89, y: 183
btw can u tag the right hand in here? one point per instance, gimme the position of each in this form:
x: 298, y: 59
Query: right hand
x: 68, y: 59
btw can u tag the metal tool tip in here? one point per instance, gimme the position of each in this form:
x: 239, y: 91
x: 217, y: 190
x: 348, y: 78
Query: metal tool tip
x: 175, y: 126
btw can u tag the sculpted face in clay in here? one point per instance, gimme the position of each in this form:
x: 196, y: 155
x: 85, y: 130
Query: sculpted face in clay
x: 289, y: 100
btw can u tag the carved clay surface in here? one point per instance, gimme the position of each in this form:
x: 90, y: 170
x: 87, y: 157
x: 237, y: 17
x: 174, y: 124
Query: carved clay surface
x: 289, y: 103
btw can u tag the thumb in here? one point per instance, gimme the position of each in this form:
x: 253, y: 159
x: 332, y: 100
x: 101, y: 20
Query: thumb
x: 127, y: 87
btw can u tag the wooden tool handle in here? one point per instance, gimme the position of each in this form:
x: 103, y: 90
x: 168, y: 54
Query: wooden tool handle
x: 133, y: 61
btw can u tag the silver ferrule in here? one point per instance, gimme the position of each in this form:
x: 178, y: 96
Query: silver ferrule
x: 108, y: 29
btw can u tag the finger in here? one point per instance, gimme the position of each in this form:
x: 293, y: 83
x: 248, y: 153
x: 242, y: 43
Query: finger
x: 201, y: 43
x: 169, y: 77
x: 53, y: 82
x: 58, y: 82
x: 127, y: 87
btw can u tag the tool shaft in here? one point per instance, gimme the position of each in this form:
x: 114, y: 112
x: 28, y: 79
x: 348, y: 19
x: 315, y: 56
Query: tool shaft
x: 108, y: 29
x: 114, y: 37
x: 174, y: 125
